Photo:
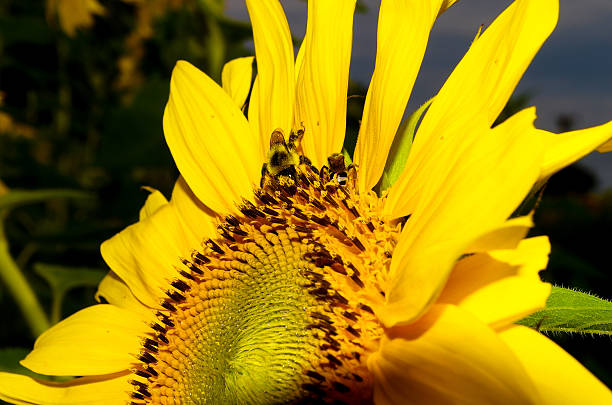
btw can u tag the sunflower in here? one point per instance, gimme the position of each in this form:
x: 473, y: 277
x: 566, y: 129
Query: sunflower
x: 299, y: 284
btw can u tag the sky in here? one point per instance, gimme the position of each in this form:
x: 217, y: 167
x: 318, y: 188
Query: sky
x: 572, y: 73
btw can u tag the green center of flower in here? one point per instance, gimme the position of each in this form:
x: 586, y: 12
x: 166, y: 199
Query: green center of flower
x: 278, y: 309
x: 247, y: 340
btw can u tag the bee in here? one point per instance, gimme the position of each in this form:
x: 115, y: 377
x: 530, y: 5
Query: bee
x: 283, y: 158
x: 337, y: 168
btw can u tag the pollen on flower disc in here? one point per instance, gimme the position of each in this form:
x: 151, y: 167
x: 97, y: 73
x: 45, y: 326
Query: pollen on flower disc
x: 278, y: 308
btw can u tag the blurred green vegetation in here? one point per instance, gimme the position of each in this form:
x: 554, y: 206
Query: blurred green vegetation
x: 81, y: 106
x: 82, y: 94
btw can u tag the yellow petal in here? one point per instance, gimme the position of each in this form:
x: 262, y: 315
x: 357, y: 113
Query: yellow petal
x: 114, y: 291
x: 197, y: 221
x: 606, y: 147
x: 299, y: 59
x: 484, y: 176
x: 403, y: 30
x: 558, y: 377
x: 487, y: 75
x: 566, y: 148
x: 144, y: 255
x: 323, y: 78
x: 505, y: 237
x: 500, y: 292
x: 100, y: 339
x: 448, y: 357
x: 446, y: 4
x: 531, y: 256
x: 210, y: 140
x: 479, y: 86
x: 263, y: 143
x: 276, y: 77
x: 236, y: 79
x: 99, y: 390
x: 155, y: 200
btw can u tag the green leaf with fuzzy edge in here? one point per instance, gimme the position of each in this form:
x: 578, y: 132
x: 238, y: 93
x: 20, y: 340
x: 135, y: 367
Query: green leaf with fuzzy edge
x: 400, y: 148
x: 572, y: 311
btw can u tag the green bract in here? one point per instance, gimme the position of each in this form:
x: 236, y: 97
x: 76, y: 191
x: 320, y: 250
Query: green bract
x: 572, y: 311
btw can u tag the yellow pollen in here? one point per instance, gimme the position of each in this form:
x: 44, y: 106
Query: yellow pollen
x: 279, y: 307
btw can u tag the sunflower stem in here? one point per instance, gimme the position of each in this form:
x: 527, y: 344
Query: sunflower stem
x: 56, y: 308
x: 19, y: 287
x: 215, y: 41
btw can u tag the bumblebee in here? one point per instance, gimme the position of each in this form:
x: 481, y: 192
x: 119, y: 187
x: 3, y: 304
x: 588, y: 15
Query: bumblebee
x: 283, y: 158
x: 337, y: 168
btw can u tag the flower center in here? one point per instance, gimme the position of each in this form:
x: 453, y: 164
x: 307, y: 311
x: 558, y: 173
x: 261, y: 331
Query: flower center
x: 278, y: 308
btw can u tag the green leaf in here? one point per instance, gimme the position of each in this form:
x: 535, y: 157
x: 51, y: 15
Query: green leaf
x: 347, y: 157
x: 64, y: 278
x: 61, y: 279
x: 360, y: 7
x: 572, y: 311
x: 9, y: 362
x: 16, y: 283
x: 15, y: 198
x: 400, y: 148
x: 10, y: 358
